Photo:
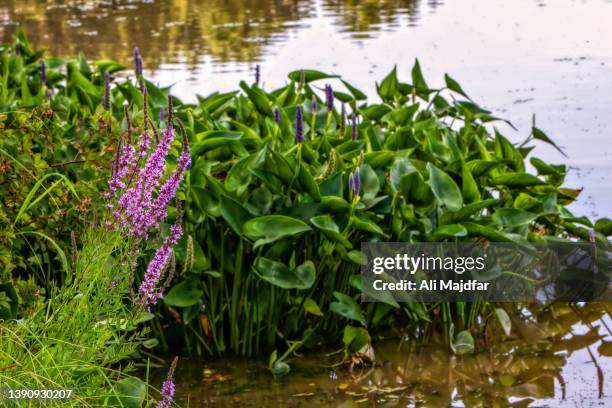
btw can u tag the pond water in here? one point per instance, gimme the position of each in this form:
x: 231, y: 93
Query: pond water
x: 548, y: 57
x: 556, y: 358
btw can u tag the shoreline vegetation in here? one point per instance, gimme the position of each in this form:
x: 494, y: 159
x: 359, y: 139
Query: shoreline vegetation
x: 251, y: 245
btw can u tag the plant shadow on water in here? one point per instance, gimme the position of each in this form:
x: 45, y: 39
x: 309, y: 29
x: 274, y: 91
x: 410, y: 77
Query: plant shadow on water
x: 554, y: 357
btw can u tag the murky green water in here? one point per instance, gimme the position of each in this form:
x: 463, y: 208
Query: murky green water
x: 559, y: 357
x: 549, y: 57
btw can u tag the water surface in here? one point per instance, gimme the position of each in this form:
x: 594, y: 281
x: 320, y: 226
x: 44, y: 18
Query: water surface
x: 556, y: 358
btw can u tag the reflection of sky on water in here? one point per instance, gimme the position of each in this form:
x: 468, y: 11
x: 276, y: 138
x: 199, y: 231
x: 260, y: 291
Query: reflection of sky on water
x: 552, y: 58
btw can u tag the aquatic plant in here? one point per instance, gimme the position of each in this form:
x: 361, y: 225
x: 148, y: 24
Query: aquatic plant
x: 269, y: 255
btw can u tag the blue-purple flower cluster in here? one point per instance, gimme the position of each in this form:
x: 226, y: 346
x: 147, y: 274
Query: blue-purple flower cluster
x: 299, y: 125
x: 354, y: 182
x: 136, y: 209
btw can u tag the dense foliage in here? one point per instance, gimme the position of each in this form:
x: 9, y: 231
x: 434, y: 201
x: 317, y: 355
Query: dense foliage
x: 284, y: 187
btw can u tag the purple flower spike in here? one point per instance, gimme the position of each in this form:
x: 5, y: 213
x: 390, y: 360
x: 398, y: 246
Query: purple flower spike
x: 257, y: 74
x: 354, y: 182
x: 354, y: 126
x: 18, y: 49
x: 299, y: 125
x: 43, y: 72
x: 277, y: 116
x: 106, y: 98
x: 329, y: 97
x: 168, y: 388
x: 146, y: 292
x: 313, y: 105
x: 137, y: 62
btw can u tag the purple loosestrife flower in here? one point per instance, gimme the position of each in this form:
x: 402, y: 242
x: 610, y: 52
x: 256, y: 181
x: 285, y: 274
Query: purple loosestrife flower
x: 277, y: 115
x: 257, y: 74
x: 137, y: 62
x: 43, y: 72
x: 329, y: 97
x: 168, y: 388
x: 136, y: 200
x: 299, y: 125
x: 147, y: 291
x: 354, y: 126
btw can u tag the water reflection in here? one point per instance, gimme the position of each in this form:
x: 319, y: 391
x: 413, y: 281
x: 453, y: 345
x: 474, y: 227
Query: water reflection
x: 554, y: 357
x: 188, y: 31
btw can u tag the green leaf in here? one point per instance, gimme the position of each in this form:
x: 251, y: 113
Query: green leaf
x: 463, y: 343
x: 454, y: 86
x: 347, y: 307
x: 512, y: 217
x: 355, y: 92
x: 234, y: 213
x: 310, y: 75
x: 517, y: 180
x: 369, y: 181
x: 129, y: 392
x: 448, y: 231
x: 604, y: 226
x: 470, y: 188
x: 417, y: 78
x: 504, y: 320
x: 375, y: 112
x: 30, y: 201
x: 355, y: 339
x: 270, y: 228
x: 466, y: 212
x: 185, y: 294
x: 334, y: 204
x: 259, y: 99
x: 362, y: 223
x: 481, y: 167
x: 308, y: 183
x: 330, y: 229
x: 279, y: 274
x: 444, y: 188
x: 538, y: 134
x: 213, y: 139
x: 311, y: 307
x: 388, y: 88
x: 280, y: 369
x: 547, y: 169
